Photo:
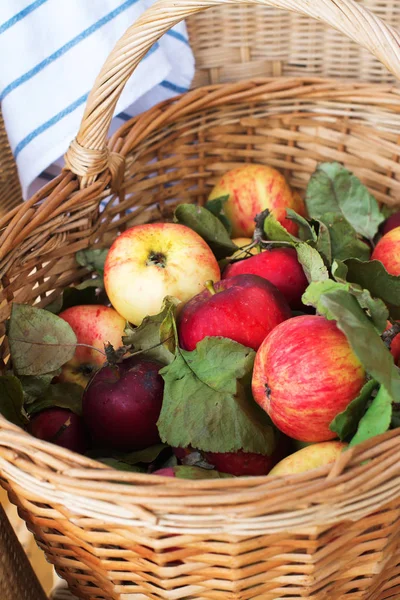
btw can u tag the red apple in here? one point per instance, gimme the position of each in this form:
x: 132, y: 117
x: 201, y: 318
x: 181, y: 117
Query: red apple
x: 387, y: 251
x: 251, y: 189
x: 94, y: 325
x: 148, y: 262
x: 166, y: 472
x: 244, y: 308
x: 279, y: 266
x: 305, y: 373
x: 395, y: 349
x: 122, y: 403
x: 391, y: 223
x: 248, y: 463
x: 60, y: 426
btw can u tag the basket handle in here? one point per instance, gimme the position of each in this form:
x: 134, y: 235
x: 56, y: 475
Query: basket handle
x: 88, y: 155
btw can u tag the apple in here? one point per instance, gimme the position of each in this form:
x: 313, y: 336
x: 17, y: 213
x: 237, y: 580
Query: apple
x: 305, y: 373
x: 166, y: 472
x: 395, y: 349
x: 148, y: 262
x: 280, y: 266
x: 242, y: 243
x: 60, y: 426
x: 251, y: 189
x: 244, y: 308
x: 242, y: 463
x: 387, y: 251
x: 308, y: 458
x: 95, y: 326
x: 122, y: 403
x: 391, y: 223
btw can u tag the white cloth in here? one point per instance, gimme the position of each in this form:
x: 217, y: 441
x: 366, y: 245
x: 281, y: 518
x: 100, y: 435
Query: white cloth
x: 52, y: 51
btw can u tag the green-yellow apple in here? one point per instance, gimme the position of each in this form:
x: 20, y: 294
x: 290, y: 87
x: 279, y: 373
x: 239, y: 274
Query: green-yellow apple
x: 148, y: 262
x: 387, y: 251
x: 305, y: 373
x: 251, y: 189
x: 94, y: 326
x: 242, y: 244
x: 308, y: 458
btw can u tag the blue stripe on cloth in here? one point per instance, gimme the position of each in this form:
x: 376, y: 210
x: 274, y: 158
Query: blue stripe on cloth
x: 19, y: 16
x: 173, y: 87
x: 86, y: 33
x: 46, y: 176
x: 178, y: 36
x: 66, y: 111
x: 124, y: 116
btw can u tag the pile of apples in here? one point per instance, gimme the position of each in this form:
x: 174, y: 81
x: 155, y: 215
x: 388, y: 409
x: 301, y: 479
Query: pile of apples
x: 304, y: 374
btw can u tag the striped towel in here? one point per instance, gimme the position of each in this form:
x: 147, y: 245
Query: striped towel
x: 52, y: 51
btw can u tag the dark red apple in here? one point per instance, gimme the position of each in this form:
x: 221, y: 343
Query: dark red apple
x: 280, y: 266
x: 122, y: 403
x: 60, y: 426
x: 391, y: 223
x: 244, y: 308
x: 249, y: 463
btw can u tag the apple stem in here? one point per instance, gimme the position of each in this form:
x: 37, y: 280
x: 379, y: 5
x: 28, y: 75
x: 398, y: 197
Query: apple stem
x: 209, y: 285
x: 91, y: 347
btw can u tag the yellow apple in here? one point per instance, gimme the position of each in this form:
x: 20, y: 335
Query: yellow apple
x: 95, y: 326
x: 308, y: 458
x: 241, y: 243
x: 250, y: 190
x: 148, y: 262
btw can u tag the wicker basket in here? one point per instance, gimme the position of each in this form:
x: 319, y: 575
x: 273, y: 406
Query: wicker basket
x: 331, y: 533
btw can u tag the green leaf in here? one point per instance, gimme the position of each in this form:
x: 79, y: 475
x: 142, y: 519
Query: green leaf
x: 121, y: 465
x: 92, y: 259
x: 84, y: 293
x: 64, y: 395
x: 365, y: 341
x: 377, y: 418
x: 185, y: 472
x: 40, y: 342
x: 156, y: 334
x: 343, y: 239
x: 312, y: 263
x: 324, y: 245
x: 147, y: 455
x: 203, y: 222
x: 306, y: 230
x: 334, y: 189
x: 35, y: 385
x: 309, y: 258
x: 216, y: 207
x: 275, y: 232
x: 207, y: 407
x: 345, y: 423
x: 372, y: 276
x: 11, y: 400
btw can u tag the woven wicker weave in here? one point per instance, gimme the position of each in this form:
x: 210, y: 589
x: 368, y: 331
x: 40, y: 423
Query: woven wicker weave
x: 10, y: 189
x: 331, y: 533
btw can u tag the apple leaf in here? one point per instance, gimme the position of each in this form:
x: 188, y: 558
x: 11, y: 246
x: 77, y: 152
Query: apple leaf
x: 12, y: 400
x: 186, y: 472
x: 148, y: 455
x: 334, y: 189
x: 40, y: 342
x: 209, y: 227
x: 312, y: 263
x: 306, y: 229
x: 92, y: 259
x: 365, y: 341
x: 216, y: 207
x: 324, y: 245
x: 377, y: 418
x: 310, y: 259
x: 372, y: 276
x: 156, y: 335
x: 120, y: 465
x: 345, y: 423
x: 64, y: 395
x: 84, y: 293
x: 344, y: 241
x: 35, y: 386
x: 205, y: 405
